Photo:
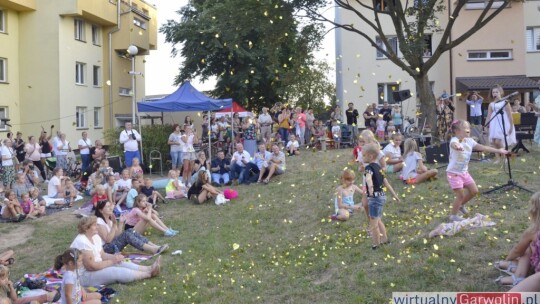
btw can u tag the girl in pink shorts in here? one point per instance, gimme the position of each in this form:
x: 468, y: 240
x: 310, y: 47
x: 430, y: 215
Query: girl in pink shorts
x: 461, y: 148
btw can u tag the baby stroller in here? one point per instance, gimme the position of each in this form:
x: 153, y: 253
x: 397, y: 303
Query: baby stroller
x: 73, y: 169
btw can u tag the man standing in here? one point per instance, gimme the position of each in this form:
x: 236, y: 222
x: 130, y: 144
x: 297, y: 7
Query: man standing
x: 352, y: 120
x: 130, y: 138
x: 265, y: 122
x: 84, y: 149
x: 386, y: 112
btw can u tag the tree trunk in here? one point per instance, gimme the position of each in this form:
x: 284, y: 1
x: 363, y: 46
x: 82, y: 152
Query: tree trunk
x: 427, y: 111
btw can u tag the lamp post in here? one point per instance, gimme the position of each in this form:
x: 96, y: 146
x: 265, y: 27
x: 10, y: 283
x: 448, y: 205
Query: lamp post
x: 133, y: 51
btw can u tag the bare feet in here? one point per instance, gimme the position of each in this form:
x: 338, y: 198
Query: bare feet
x: 156, y: 267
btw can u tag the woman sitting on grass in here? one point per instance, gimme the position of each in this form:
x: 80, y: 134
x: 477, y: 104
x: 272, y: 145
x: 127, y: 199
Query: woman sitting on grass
x: 101, y: 268
x: 142, y: 215
x: 113, y: 235
x: 202, y: 190
x: 414, y: 171
x: 526, y: 252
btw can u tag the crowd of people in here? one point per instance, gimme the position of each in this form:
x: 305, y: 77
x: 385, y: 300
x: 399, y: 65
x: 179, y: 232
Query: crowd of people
x: 251, y: 150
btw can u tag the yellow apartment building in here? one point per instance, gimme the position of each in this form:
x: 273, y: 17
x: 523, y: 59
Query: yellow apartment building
x: 505, y: 52
x: 64, y: 63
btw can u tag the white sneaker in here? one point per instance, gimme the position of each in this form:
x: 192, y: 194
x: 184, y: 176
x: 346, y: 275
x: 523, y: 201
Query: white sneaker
x: 455, y: 218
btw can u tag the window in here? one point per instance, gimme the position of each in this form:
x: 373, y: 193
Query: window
x: 97, y: 118
x: 533, y: 39
x: 96, y: 35
x: 489, y: 55
x: 382, y: 5
x: 80, y: 71
x: 481, y: 4
x: 393, y: 43
x: 385, y: 92
x: 3, y: 114
x: 79, y: 30
x: 96, y: 79
x: 81, y: 117
x: 2, y: 21
x: 428, y: 50
x: 3, y: 70
x: 140, y: 23
x: 124, y: 91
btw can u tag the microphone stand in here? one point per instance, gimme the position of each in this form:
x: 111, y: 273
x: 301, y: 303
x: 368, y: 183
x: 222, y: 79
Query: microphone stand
x: 511, y: 183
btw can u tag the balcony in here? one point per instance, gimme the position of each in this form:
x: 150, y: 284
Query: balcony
x: 102, y: 12
x: 19, y: 5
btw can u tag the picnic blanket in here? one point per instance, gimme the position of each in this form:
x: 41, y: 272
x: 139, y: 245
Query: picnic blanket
x: 450, y: 229
x: 50, y: 201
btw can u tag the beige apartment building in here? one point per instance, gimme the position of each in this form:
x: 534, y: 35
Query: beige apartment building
x: 64, y: 63
x: 505, y: 52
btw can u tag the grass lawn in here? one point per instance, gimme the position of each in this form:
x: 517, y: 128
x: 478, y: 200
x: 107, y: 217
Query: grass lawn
x: 274, y: 243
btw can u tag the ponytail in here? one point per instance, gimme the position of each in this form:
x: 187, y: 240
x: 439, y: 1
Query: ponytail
x: 70, y: 255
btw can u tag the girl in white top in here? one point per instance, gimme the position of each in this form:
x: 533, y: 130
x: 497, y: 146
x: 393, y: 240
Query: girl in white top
x: 496, y: 136
x: 293, y: 145
x: 392, y: 151
x: 101, y: 268
x: 8, y: 163
x: 457, y: 173
x: 414, y: 171
x: 62, y: 149
x: 188, y: 153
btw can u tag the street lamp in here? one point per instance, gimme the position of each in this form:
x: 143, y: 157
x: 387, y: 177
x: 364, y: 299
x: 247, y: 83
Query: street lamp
x: 133, y: 51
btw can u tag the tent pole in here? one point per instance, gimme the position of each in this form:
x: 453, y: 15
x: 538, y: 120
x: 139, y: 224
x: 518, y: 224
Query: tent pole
x: 209, y: 134
x: 140, y: 132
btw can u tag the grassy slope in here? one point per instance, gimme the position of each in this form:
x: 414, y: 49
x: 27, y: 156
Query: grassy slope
x: 289, y: 253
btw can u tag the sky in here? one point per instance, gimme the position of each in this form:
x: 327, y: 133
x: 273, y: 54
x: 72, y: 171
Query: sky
x: 161, y: 68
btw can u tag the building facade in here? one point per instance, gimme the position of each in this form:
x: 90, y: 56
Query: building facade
x: 505, y: 52
x: 64, y: 63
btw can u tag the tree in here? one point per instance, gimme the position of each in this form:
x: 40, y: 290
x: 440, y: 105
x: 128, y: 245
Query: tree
x: 412, y: 21
x: 255, y: 48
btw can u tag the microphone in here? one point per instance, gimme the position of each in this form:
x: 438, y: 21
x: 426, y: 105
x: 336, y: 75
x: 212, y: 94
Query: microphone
x: 508, y: 96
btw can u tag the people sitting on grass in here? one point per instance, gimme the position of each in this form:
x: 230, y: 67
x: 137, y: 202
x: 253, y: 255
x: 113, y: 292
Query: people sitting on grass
x: 276, y: 165
x: 260, y: 159
x: 99, y: 195
x: 20, y: 187
x: 71, y: 291
x: 392, y: 151
x: 55, y: 188
x: 152, y: 195
x: 136, y: 170
x: 239, y: 161
x: 143, y: 216
x: 9, y: 294
x: 31, y: 175
x: 133, y: 193
x: 70, y: 192
x: 344, y: 202
x: 525, y: 254
x: 32, y: 211
x: 106, y: 170
x: 414, y: 170
x: 293, y: 146
x: 124, y: 185
x: 36, y: 198
x: 7, y: 258
x: 175, y: 189
x: 12, y: 208
x: 220, y: 169
x: 115, y: 238
x: 202, y: 190
x: 101, y: 268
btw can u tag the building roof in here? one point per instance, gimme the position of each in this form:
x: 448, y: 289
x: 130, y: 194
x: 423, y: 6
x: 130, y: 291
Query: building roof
x: 516, y: 82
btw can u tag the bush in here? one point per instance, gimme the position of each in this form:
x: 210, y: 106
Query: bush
x: 154, y: 137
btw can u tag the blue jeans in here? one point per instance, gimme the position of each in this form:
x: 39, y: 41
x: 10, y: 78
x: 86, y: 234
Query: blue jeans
x: 476, y: 120
x: 238, y: 172
x: 216, y: 177
x: 85, y: 158
x: 176, y: 158
x: 284, y: 133
x: 130, y: 155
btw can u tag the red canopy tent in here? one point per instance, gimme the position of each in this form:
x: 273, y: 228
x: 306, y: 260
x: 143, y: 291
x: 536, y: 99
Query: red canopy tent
x: 236, y: 108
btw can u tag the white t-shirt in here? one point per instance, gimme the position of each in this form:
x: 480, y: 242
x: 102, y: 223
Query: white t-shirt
x: 83, y: 143
x: 177, y: 138
x: 55, y: 141
x: 101, y: 222
x: 70, y: 278
x: 81, y: 242
x: 459, y: 160
x: 237, y: 158
x: 7, y: 152
x: 293, y: 144
x: 360, y: 159
x: 188, y: 145
x: 336, y: 130
x: 410, y: 165
x: 393, y: 150
x: 62, y: 147
x: 265, y: 119
x: 122, y: 184
x: 130, y: 144
x: 52, y: 187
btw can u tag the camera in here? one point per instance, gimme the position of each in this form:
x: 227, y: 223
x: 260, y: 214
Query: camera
x: 133, y: 136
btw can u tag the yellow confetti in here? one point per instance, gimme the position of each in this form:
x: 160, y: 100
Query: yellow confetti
x: 418, y: 69
x: 435, y: 247
x: 235, y: 246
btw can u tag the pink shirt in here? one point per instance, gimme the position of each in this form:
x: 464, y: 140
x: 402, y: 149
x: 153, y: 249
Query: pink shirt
x: 134, y: 216
x: 301, y: 120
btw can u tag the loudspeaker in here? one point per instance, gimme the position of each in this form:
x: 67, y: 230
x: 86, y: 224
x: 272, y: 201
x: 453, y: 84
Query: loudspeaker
x: 115, y: 162
x: 438, y: 153
x: 401, y: 95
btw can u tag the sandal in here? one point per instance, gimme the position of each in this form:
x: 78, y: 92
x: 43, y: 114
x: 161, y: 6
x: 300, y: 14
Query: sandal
x: 266, y: 181
x: 510, y: 269
x: 515, y: 281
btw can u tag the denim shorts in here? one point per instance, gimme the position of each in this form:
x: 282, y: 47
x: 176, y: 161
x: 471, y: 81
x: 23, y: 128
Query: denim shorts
x: 375, y: 205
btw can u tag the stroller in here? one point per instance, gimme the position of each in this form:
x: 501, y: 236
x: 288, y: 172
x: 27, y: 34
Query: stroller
x: 73, y: 169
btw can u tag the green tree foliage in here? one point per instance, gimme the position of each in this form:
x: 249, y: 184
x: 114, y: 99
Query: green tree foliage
x: 412, y: 21
x: 255, y: 48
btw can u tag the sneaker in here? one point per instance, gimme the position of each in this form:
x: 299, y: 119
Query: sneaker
x: 169, y: 233
x: 455, y: 218
x: 162, y: 249
x: 175, y: 231
x: 464, y: 210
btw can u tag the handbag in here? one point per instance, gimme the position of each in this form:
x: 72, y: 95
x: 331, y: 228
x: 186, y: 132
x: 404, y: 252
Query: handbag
x: 220, y: 199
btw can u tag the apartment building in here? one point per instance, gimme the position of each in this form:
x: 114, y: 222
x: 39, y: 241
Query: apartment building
x: 64, y: 63
x: 505, y: 52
